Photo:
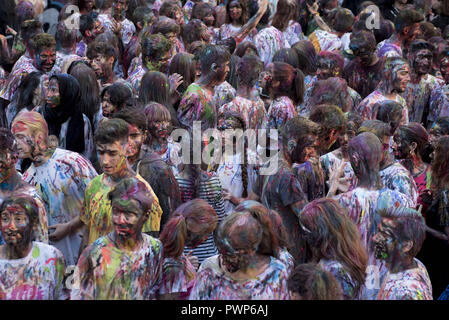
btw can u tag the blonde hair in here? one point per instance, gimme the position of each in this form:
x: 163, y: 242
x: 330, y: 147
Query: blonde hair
x: 32, y: 120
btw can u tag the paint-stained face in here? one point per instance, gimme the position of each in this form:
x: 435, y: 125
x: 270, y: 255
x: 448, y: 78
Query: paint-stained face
x: 171, y: 36
x: 310, y: 148
x: 29, y: 145
x: 7, y: 163
x: 112, y: 157
x: 422, y: 62
x: 179, y: 17
x: 414, y: 32
x: 401, y: 148
x: 364, y: 54
x: 326, y: 69
x: 135, y: 140
x: 108, y: 108
x: 160, y: 64
x: 45, y: 59
x: 98, y: 28
x: 435, y: 134
x: 343, y: 139
x: 401, y: 78
x: 235, y: 10
x: 127, y: 217
x: 15, y: 225
x: 160, y: 129
x: 88, y: 5
x: 119, y: 8
x: 53, y: 98
x: 444, y: 68
x: 384, y: 241
x: 222, y: 72
x: 209, y: 20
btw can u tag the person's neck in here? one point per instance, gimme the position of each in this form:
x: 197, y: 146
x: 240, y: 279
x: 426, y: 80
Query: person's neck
x: 257, y: 264
x: 44, y: 157
x: 418, y: 165
x: 12, y: 182
x: 123, y: 173
x: 403, y: 263
x: 132, y: 159
x: 159, y: 145
x: 370, y: 180
x: 127, y: 243
x: 68, y: 50
x: 244, y: 91
x: 16, y: 252
x: 206, y: 82
x: 286, y: 158
x: 388, y: 161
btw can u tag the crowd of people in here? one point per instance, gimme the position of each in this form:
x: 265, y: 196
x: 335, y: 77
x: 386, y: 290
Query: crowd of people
x: 106, y: 191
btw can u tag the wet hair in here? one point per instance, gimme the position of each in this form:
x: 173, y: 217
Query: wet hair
x: 142, y: 14
x: 42, y: 41
x: 415, y: 132
x: 168, y: 9
x: 241, y: 49
x: 307, y: 57
x: 154, y: 47
x: 156, y: 112
x: 248, y: 70
x: 133, y: 189
x: 165, y: 25
x: 341, y: 19
x: 363, y: 39
x: 183, y: 63
x: 194, y: 216
x: 369, y: 148
x: 193, y: 31
x: 417, y: 45
x: 154, y: 86
x: 390, y: 112
x: 86, y: 23
x: 30, y: 28
x: 7, y: 141
x: 291, y: 82
x: 121, y: 95
x: 285, y: 11
x: 409, y: 226
x: 287, y: 55
x: 97, y: 47
x: 243, y: 18
x: 336, y: 59
x: 299, y: 129
x: 213, y: 54
x: 330, y: 117
x: 379, y: 128
x: 25, y: 202
x: 333, y: 90
x: 25, y: 92
x: 66, y: 37
x: 385, y: 31
x: 440, y: 174
x: 133, y: 116
x: 32, y: 120
x: 312, y: 282
x: 112, y: 130
x: 89, y: 103
x: 334, y: 236
x: 407, y: 18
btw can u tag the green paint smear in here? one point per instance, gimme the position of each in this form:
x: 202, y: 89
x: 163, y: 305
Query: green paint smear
x: 36, y: 252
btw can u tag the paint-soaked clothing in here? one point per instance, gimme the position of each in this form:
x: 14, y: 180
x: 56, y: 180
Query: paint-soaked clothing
x: 212, y: 283
x: 81, y: 48
x: 252, y: 111
x: 411, y: 284
x: 330, y: 163
x: 278, y: 192
x: 97, y: 213
x: 109, y: 273
x: 230, y: 175
x: 397, y: 177
x: 223, y: 93
x: 287, y: 259
x: 325, y: 41
x: 197, y: 104
x: 293, y: 33
x: 362, y: 206
x: 135, y: 76
x: 178, y: 276
x: 63, y: 58
x: 439, y: 104
x: 269, y: 41
x: 363, y: 79
x: 366, y: 111
x: 127, y: 29
x: 280, y: 111
x: 311, y: 177
x: 388, y: 48
x: 417, y: 96
x: 38, y: 276
x: 347, y: 284
x: 227, y: 31
x: 61, y: 182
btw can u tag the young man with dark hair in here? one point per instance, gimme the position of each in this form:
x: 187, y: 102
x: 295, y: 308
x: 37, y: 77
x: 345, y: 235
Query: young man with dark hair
x: 417, y: 94
x: 399, y: 238
x: 90, y: 27
x: 117, y: 23
x: 102, y: 57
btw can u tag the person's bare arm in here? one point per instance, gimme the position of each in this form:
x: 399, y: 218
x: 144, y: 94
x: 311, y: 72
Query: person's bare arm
x: 246, y: 29
x: 64, y: 229
x: 313, y: 9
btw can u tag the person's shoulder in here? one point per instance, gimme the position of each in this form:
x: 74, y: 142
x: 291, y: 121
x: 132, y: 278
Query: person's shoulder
x: 153, y: 243
x: 45, y: 251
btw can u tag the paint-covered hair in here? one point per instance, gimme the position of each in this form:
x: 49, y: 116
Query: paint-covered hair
x: 86, y: 23
x: 415, y: 132
x: 287, y: 55
x: 312, y: 282
x: 440, y: 165
x: 410, y: 226
x: 133, y: 116
x: 392, y: 65
x: 390, y: 112
x: 25, y: 202
x: 183, y: 64
x: 420, y: 45
x: 192, y: 217
x: 369, y: 150
x: 31, y: 120
x: 285, y: 11
x: 341, y: 19
x: 154, y: 47
x: 120, y: 95
x: 112, y: 130
x: 29, y: 29
x: 213, y: 54
x: 333, y: 90
x: 363, y: 39
x: 385, y: 31
x: 332, y: 235
x: 103, y: 48
x: 142, y: 14
x: 154, y: 87
x: 42, y: 41
x: 156, y: 112
x: 330, y: 117
x: 24, y: 11
x: 241, y: 49
x: 169, y: 8
x: 291, y: 82
x: 307, y: 57
x: 443, y: 123
x: 248, y: 70
x: 64, y: 36
x: 407, y: 18
x: 379, y: 128
x: 336, y: 59
x: 133, y: 189
x: 165, y: 25
x: 7, y: 141
x: 201, y: 10
x: 193, y: 31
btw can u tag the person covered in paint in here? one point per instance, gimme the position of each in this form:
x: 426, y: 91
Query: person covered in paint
x: 239, y: 272
x: 333, y: 242
x: 155, y: 55
x: 190, y: 225
x: 64, y: 118
x: 439, y: 129
x: 363, y: 202
x: 363, y: 73
x: 307, y: 61
x: 417, y: 94
x: 411, y: 147
x: 236, y: 17
x: 393, y: 174
x: 126, y: 263
x: 60, y: 177
x: 282, y: 190
x: 89, y: 28
x: 396, y: 76
x: 29, y: 270
x: 434, y: 251
x: 102, y: 57
x: 66, y: 38
x: 389, y: 112
x: 398, y: 239
x: 285, y: 20
x: 114, y: 98
x: 197, y: 103
x: 309, y: 281
x: 439, y: 98
x: 117, y: 23
x: 337, y: 169
x: 11, y: 182
x: 407, y: 29
x: 112, y: 140
x: 171, y: 30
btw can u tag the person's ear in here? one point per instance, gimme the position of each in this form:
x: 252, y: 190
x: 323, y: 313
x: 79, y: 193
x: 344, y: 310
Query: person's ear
x: 291, y: 146
x: 406, y: 30
x: 111, y: 61
x: 413, y: 146
x: 88, y: 33
x: 407, y: 246
x: 214, y: 67
x: 139, y: 26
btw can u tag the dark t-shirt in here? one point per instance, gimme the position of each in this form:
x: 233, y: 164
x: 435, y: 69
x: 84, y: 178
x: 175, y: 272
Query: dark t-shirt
x: 362, y: 79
